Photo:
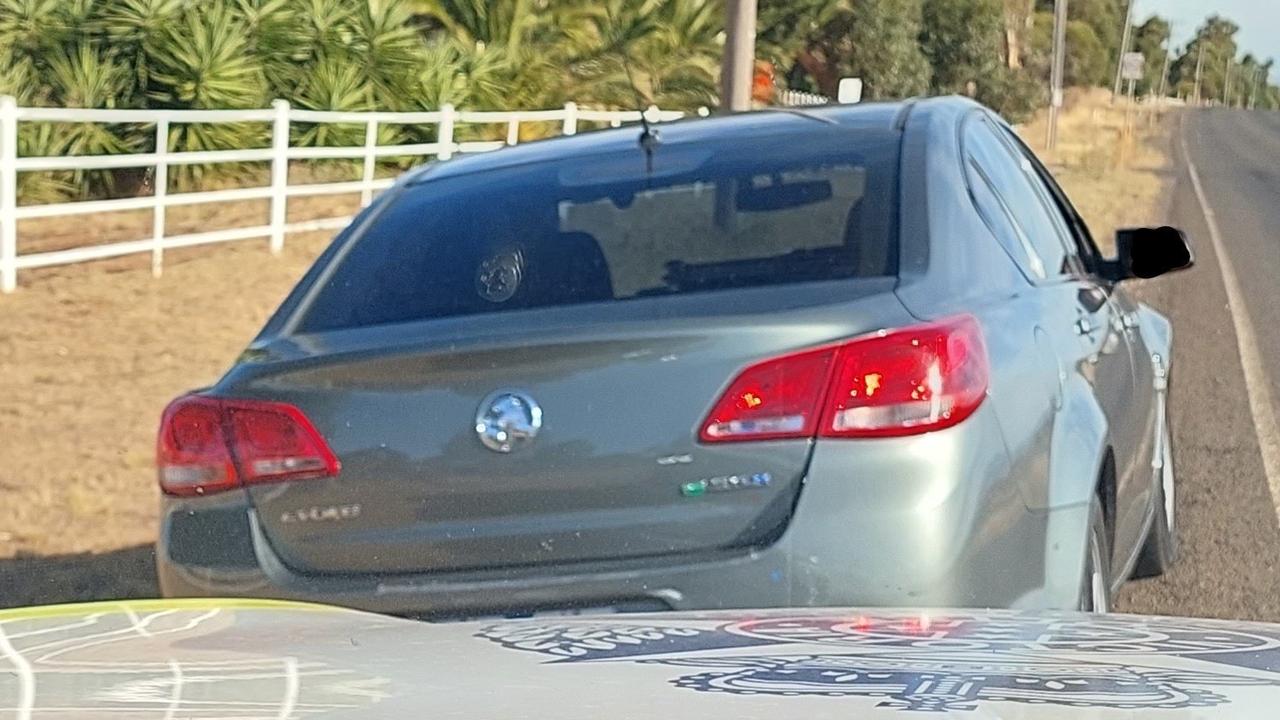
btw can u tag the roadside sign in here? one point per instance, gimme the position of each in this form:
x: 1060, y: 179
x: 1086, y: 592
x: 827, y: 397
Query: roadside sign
x: 850, y: 91
x: 1133, y: 66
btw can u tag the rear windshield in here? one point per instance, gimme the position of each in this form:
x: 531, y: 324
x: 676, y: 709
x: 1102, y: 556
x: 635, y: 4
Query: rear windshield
x: 693, y: 218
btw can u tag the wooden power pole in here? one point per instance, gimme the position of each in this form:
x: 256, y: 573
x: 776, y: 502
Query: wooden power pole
x: 738, y: 64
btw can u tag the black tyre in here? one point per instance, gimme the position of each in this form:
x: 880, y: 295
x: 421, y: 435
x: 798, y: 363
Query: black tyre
x: 1095, y: 586
x: 1161, y: 547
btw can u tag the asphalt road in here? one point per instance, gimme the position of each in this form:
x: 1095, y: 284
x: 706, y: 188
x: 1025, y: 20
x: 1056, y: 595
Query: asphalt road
x: 1230, y: 537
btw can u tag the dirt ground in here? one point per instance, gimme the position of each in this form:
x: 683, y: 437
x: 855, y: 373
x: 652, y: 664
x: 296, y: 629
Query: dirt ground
x: 89, y: 356
x: 91, y: 353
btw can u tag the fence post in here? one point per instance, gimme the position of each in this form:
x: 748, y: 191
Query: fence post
x: 279, y: 174
x: 570, y: 118
x: 513, y: 131
x: 370, y: 161
x: 444, y: 136
x: 8, y: 194
x: 159, y: 188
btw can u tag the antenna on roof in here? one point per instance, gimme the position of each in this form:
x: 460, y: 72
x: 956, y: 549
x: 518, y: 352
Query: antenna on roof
x: 650, y: 139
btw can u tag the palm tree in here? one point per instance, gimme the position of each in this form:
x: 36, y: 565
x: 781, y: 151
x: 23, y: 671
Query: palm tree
x: 517, y: 41
x: 340, y: 55
x: 31, y: 29
x: 84, y: 76
x: 505, y: 24
x: 279, y: 35
x: 663, y: 52
x: 136, y: 30
x: 386, y: 50
x: 205, y: 61
x: 17, y: 75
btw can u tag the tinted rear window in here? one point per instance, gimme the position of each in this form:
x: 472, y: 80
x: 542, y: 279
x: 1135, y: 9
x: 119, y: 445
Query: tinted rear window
x: 702, y: 218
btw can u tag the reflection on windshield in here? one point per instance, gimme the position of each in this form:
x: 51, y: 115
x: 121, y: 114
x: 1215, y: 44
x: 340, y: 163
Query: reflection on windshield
x: 678, y: 238
x: 120, y: 659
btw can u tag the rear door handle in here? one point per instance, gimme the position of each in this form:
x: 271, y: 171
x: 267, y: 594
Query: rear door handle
x: 1085, y: 326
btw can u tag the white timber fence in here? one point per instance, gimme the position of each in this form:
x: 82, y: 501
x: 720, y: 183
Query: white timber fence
x: 281, y: 116
x: 798, y: 98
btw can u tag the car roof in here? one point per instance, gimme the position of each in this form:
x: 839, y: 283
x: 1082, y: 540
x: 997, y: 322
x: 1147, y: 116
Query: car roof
x: 803, y: 122
x: 784, y: 664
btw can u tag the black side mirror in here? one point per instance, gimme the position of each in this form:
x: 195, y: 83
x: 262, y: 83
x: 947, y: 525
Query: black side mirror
x: 1150, y: 252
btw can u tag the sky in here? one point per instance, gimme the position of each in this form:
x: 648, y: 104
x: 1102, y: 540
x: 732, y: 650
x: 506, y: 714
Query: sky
x: 1259, y: 21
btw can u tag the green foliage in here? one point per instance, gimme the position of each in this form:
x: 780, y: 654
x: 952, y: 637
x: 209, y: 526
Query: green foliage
x: 1105, y: 18
x: 1013, y: 94
x: 789, y: 27
x: 876, y: 41
x: 206, y: 62
x: 1150, y: 38
x: 1086, y: 62
x: 506, y: 24
x: 962, y: 41
x: 386, y: 50
x: 33, y: 28
x: 451, y: 74
x: 137, y: 30
x: 1224, y: 78
x: 631, y: 54
x: 884, y: 49
x: 282, y: 40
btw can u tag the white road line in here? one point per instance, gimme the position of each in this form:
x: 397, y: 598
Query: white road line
x: 1255, y: 378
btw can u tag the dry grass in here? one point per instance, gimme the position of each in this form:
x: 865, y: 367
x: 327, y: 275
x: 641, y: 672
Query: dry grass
x: 90, y: 354
x: 1115, y: 178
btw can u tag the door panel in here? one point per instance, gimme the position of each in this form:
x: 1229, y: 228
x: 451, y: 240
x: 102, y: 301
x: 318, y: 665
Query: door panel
x: 1121, y: 375
x: 1135, y: 472
x: 1087, y: 335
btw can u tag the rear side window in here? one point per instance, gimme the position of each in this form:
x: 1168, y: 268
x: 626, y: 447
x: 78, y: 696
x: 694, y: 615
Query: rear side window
x: 1075, y: 234
x: 1011, y: 185
x: 607, y: 228
x: 997, y: 216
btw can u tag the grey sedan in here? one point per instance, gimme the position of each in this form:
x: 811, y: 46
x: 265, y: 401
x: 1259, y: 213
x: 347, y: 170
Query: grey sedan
x: 860, y: 355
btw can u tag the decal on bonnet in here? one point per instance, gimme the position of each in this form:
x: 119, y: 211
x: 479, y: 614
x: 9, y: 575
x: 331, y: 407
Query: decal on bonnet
x: 932, y: 664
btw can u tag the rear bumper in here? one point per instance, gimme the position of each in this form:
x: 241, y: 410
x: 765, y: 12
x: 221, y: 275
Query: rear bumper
x: 779, y: 576
x: 932, y: 521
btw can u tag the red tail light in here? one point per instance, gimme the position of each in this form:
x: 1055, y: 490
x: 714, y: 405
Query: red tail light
x: 208, y: 445
x: 901, y: 382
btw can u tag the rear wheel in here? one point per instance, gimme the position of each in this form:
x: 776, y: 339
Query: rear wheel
x: 1161, y: 547
x: 1095, y: 586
